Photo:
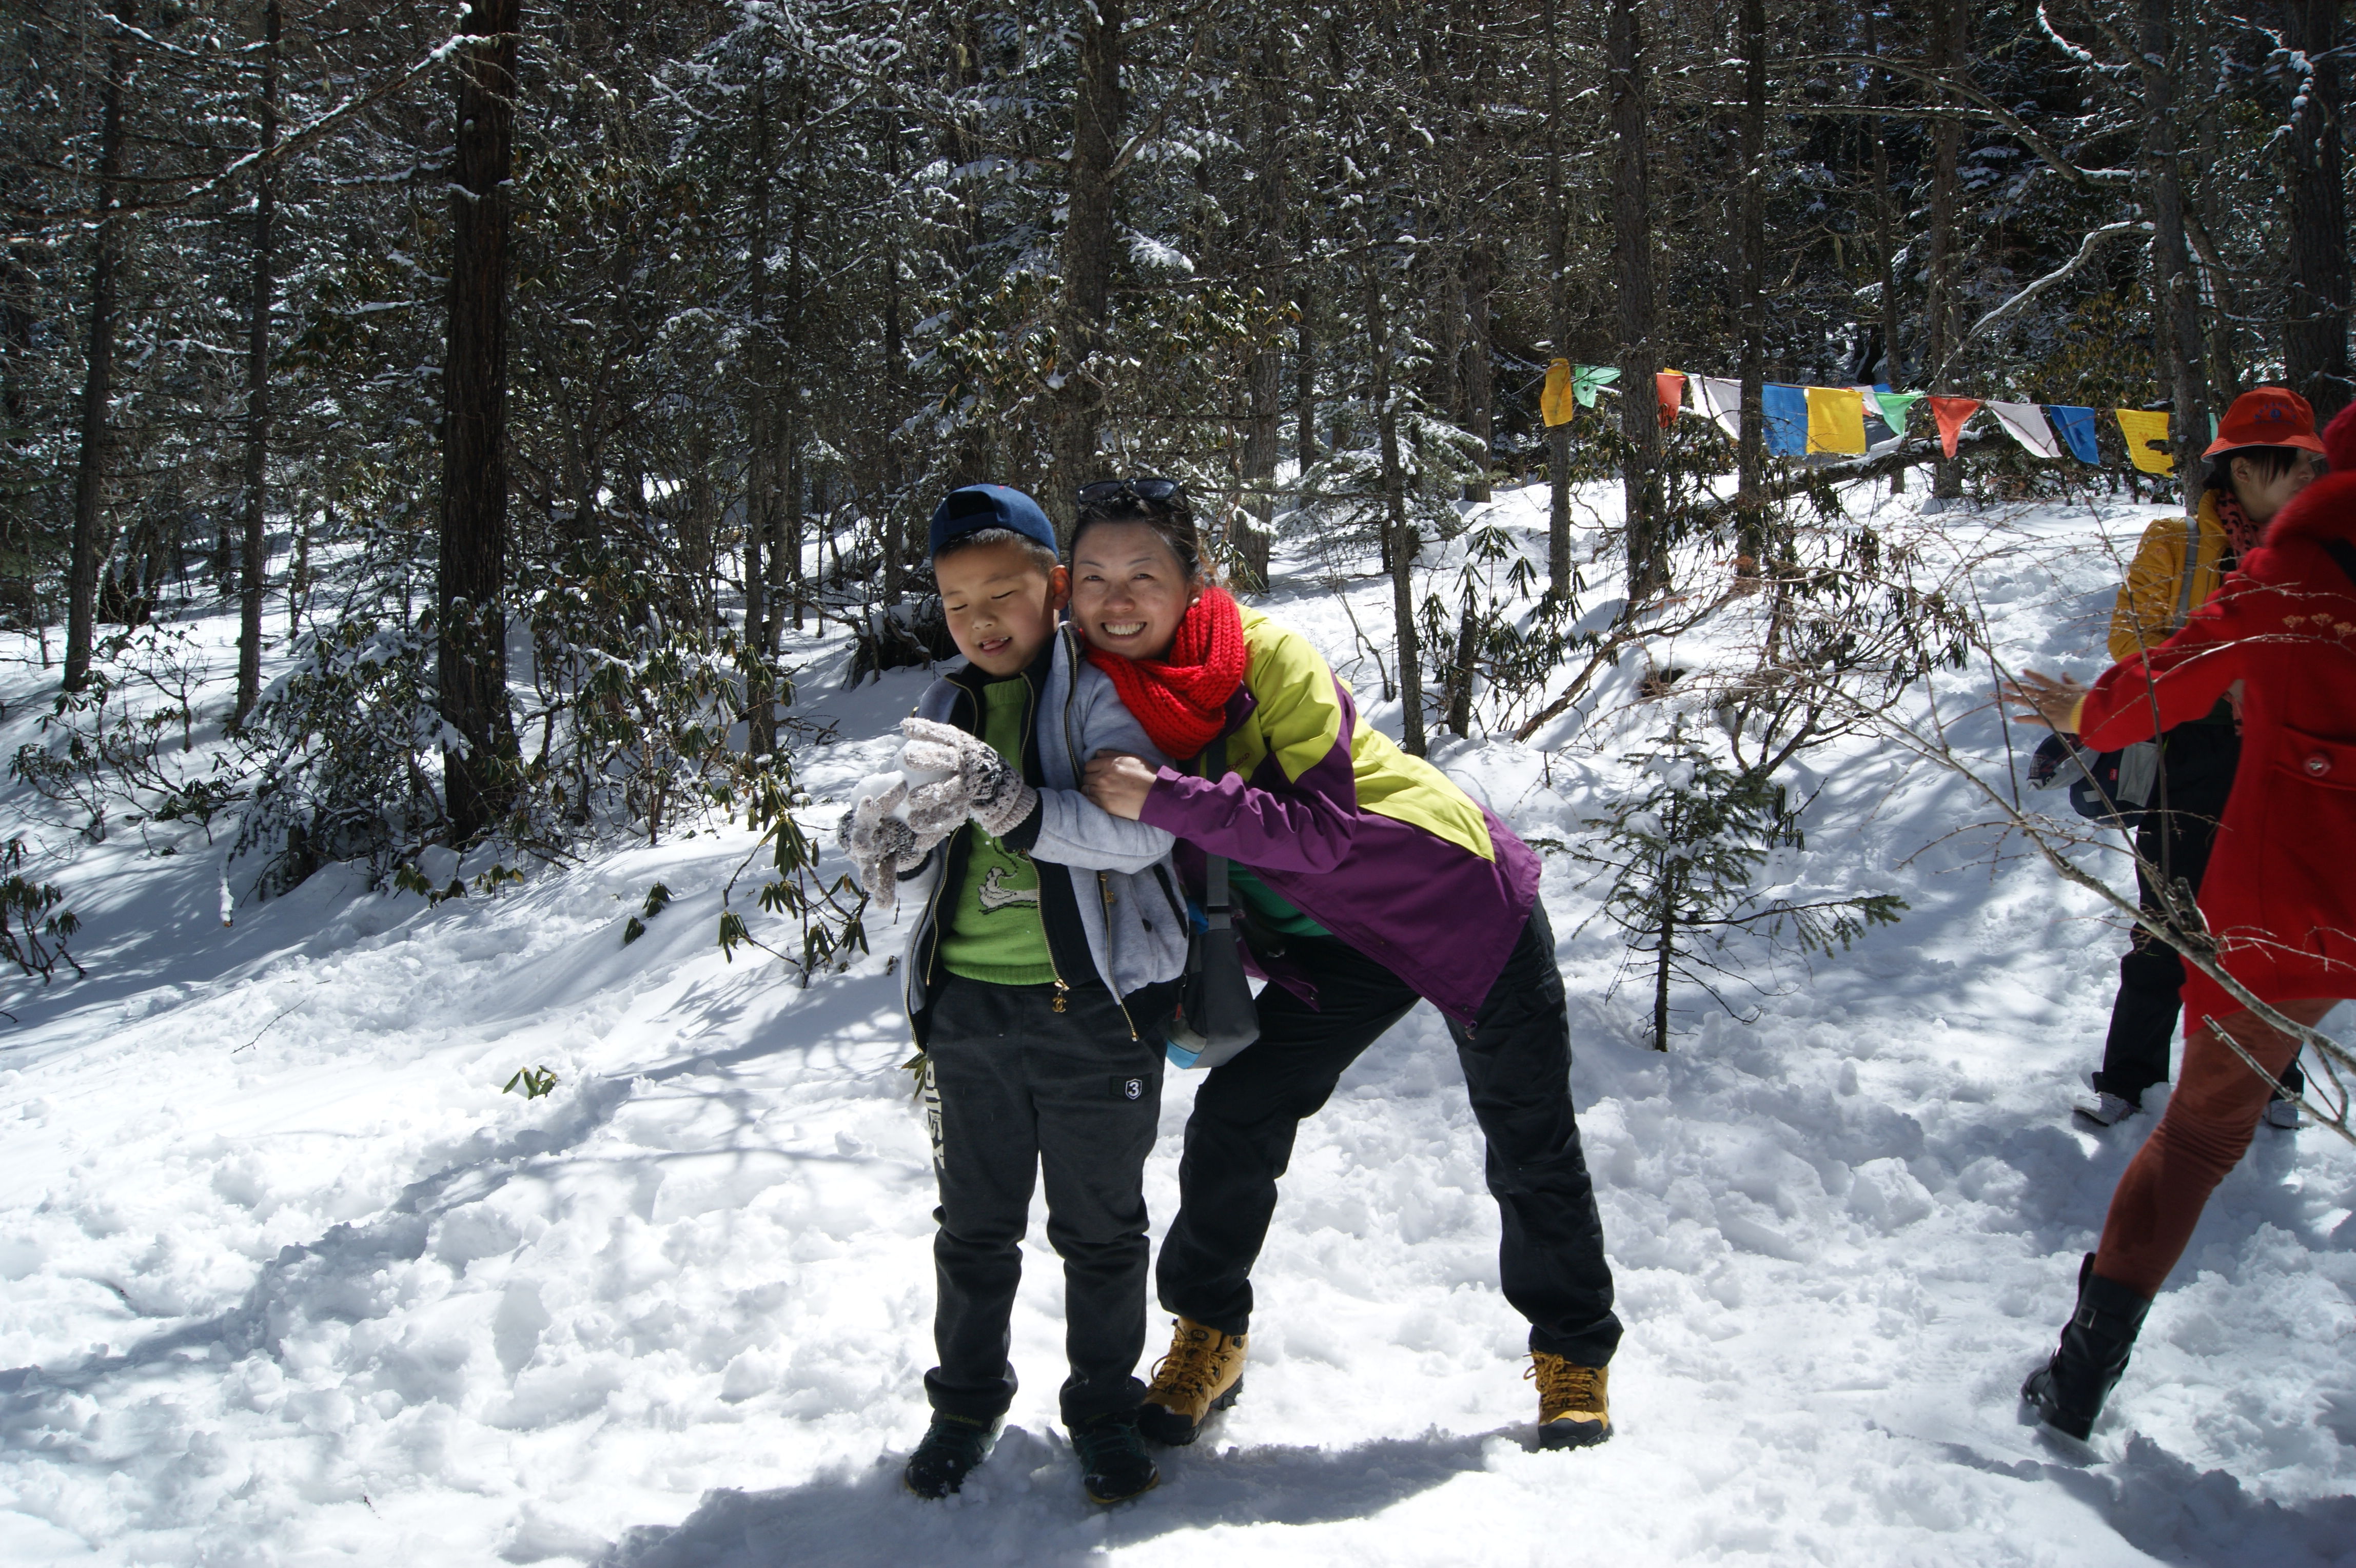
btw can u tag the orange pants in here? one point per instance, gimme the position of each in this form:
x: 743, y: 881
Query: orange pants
x: 2202, y: 1135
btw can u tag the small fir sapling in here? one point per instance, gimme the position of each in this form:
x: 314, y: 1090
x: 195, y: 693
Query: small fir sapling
x: 1681, y: 855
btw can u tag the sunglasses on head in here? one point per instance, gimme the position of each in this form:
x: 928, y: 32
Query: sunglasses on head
x: 1153, y: 493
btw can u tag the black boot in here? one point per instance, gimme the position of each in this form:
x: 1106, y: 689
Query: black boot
x: 953, y: 1445
x: 2069, y: 1390
x: 1114, y: 1465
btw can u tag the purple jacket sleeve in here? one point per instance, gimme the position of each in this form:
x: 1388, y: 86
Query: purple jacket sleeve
x: 1304, y: 825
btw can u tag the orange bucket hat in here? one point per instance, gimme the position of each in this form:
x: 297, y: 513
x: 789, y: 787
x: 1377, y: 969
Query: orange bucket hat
x: 2267, y: 416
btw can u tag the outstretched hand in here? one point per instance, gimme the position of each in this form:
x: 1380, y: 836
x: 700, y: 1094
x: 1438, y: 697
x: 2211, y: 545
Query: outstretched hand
x: 1117, y: 783
x: 2044, y: 699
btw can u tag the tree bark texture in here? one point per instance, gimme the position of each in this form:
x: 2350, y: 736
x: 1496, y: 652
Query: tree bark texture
x: 1631, y: 244
x: 1885, y: 227
x: 1948, y: 23
x: 1086, y: 261
x: 256, y: 555
x: 1751, y: 445
x: 1558, y: 437
x: 98, y: 374
x: 2176, y: 293
x: 761, y: 444
x: 472, y: 618
x: 1480, y: 370
x: 2315, y: 342
x: 1265, y: 433
x: 1399, y: 529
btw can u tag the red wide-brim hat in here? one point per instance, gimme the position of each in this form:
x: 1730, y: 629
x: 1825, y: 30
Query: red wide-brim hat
x: 2267, y: 416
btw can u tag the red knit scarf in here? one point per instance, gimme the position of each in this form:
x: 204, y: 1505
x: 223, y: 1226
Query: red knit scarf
x: 1182, y: 698
x: 2241, y: 533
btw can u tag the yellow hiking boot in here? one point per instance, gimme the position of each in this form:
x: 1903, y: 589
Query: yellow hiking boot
x: 1203, y: 1372
x: 1574, y: 1402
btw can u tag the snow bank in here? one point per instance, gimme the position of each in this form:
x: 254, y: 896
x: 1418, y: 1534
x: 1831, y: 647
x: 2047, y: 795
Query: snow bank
x: 284, y: 1278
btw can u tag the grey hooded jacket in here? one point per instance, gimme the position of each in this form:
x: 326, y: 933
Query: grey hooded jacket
x: 1116, y: 915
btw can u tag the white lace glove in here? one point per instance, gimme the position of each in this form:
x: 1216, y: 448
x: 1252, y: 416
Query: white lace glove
x: 986, y: 786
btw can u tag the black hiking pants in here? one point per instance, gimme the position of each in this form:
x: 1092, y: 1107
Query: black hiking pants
x: 1516, y: 1061
x: 1024, y: 1091
x: 2199, y: 760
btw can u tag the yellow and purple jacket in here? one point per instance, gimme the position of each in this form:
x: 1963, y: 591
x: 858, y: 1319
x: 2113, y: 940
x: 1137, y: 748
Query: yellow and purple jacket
x: 1377, y: 846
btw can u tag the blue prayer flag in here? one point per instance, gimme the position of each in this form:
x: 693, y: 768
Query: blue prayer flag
x: 2077, y: 428
x: 1786, y: 409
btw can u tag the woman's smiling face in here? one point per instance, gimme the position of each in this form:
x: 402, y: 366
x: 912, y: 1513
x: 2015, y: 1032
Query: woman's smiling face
x: 1129, y: 591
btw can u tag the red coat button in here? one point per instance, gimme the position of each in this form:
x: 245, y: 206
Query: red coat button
x: 2319, y: 765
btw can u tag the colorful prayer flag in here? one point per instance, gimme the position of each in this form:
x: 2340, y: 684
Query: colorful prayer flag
x: 1895, y: 406
x: 1835, y: 420
x: 1669, y: 386
x: 1951, y: 413
x: 2147, y: 433
x: 2025, y: 423
x: 1586, y: 381
x: 1786, y: 411
x: 1720, y: 397
x: 2077, y: 427
x: 1554, y: 401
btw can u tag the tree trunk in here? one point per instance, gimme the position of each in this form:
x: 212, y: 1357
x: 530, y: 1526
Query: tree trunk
x: 2315, y: 342
x: 1751, y: 445
x: 257, y: 386
x: 1885, y: 229
x: 1631, y: 244
x: 471, y: 619
x: 1086, y: 259
x: 1558, y: 218
x: 2176, y: 293
x: 895, y: 396
x: 1460, y: 677
x: 761, y: 445
x: 98, y: 374
x: 1304, y: 374
x: 786, y: 551
x: 1949, y: 23
x: 1479, y: 379
x: 1265, y: 433
x: 1399, y: 532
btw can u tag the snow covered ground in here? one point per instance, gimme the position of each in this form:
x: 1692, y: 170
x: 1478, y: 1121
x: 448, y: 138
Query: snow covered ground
x: 285, y: 1279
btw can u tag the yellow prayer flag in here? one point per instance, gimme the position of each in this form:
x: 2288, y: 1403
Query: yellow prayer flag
x: 1555, y: 400
x: 2147, y: 433
x: 1835, y: 420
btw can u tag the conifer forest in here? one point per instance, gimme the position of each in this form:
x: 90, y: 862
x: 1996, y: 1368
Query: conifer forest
x: 559, y: 359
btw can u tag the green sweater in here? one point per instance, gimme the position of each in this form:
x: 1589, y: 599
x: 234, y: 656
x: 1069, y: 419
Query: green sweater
x: 992, y: 933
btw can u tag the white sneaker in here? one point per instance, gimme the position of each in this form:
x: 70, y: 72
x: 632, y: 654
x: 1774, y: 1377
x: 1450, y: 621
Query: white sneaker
x: 2283, y: 1115
x: 2105, y: 1109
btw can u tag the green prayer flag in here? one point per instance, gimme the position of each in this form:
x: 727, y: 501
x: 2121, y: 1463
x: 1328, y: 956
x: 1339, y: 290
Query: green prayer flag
x: 1586, y: 381
x: 1895, y: 406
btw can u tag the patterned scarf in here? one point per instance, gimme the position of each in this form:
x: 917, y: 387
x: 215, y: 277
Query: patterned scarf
x: 1182, y: 698
x: 2242, y: 535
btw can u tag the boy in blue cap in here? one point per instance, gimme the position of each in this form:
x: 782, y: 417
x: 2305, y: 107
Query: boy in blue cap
x: 1040, y: 974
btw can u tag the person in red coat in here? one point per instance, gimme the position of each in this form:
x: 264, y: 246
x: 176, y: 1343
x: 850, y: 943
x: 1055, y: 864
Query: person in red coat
x: 2279, y: 900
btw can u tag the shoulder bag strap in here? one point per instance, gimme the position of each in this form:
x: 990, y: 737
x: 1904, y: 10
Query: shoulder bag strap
x: 2191, y: 570
x: 1215, y: 901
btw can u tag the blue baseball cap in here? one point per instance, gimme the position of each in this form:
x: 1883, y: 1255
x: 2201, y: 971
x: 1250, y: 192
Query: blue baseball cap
x: 978, y: 507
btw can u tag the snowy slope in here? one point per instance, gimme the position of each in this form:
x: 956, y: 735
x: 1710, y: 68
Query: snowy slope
x: 285, y: 1279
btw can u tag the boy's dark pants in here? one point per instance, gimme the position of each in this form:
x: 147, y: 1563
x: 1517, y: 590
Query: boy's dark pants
x: 1024, y: 1089
x: 1516, y: 1061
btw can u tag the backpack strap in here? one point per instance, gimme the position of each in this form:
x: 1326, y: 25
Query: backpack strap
x: 2191, y: 570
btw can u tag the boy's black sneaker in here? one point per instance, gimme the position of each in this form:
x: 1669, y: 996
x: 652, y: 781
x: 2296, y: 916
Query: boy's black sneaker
x: 953, y: 1445
x: 1114, y: 1466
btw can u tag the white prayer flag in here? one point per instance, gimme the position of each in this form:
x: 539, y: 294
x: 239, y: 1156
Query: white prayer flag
x: 2025, y: 423
x: 1721, y: 399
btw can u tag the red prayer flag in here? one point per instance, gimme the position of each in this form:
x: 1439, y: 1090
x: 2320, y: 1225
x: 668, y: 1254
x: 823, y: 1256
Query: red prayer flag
x: 1669, y: 386
x: 1951, y: 413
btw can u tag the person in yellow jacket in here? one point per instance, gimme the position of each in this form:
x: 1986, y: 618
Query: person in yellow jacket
x: 2266, y: 451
